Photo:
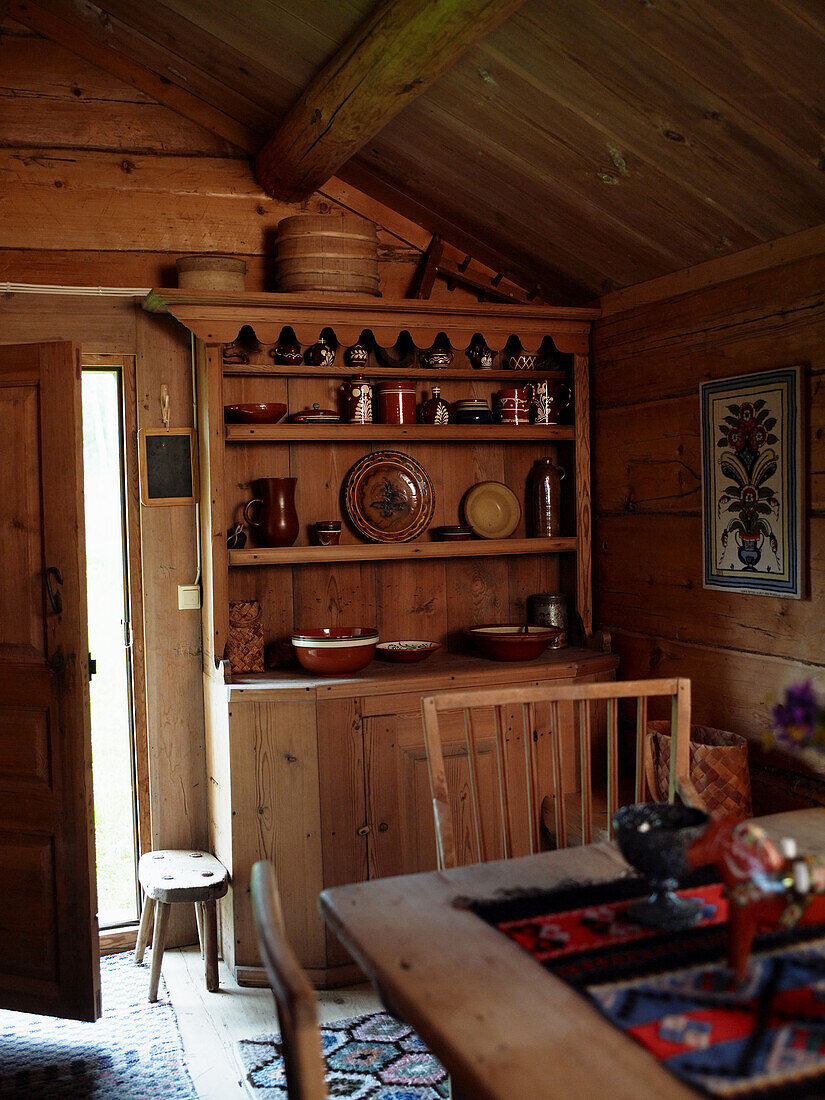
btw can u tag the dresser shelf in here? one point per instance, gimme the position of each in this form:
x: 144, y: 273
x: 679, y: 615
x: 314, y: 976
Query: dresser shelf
x: 431, y: 433
x: 398, y: 551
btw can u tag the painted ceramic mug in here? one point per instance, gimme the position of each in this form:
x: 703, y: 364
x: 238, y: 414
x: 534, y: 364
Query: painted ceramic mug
x: 550, y: 401
x: 514, y: 404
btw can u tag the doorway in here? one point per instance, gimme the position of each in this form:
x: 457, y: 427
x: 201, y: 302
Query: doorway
x: 111, y: 632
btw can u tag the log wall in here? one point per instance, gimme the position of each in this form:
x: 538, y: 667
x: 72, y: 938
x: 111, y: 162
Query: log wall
x: 102, y: 187
x: 740, y: 651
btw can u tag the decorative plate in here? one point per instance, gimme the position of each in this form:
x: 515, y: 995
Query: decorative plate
x: 406, y: 652
x: 492, y: 510
x: 389, y: 497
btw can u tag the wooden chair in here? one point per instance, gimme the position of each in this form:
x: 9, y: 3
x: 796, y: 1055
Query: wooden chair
x: 172, y: 876
x: 294, y: 996
x: 508, y: 764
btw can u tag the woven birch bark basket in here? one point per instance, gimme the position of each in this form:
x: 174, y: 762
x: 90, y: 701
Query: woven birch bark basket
x: 718, y: 768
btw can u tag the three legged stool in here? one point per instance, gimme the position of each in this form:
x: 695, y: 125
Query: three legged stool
x: 172, y: 876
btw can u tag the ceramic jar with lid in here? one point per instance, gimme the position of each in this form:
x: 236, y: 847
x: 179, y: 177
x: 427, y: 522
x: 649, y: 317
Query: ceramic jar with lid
x: 358, y: 400
x: 396, y: 402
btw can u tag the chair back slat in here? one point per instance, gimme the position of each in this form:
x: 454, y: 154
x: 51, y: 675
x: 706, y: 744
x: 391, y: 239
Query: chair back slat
x: 612, y: 762
x: 585, y: 731
x: 294, y: 996
x: 474, y: 779
x: 641, y: 733
x: 517, y: 758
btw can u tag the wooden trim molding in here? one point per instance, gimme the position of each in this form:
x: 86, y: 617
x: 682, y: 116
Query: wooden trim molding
x: 762, y: 257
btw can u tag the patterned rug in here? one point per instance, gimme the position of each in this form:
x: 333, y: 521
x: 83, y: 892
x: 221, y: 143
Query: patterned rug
x: 133, y: 1052
x: 370, y: 1057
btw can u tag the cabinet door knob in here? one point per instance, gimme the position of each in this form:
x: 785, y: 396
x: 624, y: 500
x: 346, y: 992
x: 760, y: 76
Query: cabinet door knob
x: 364, y: 830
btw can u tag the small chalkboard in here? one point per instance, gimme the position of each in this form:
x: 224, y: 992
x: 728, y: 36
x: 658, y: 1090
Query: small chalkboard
x: 168, y: 472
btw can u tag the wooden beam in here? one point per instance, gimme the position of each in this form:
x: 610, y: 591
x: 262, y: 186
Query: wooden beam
x: 37, y: 17
x: 393, y: 56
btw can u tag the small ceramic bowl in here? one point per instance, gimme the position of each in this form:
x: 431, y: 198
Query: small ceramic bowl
x: 406, y: 651
x: 335, y: 651
x: 455, y: 533
x: 472, y: 412
x: 267, y: 413
x: 328, y: 532
x: 512, y: 641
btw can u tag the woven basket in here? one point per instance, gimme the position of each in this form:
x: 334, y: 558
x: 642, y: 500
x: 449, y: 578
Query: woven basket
x: 718, y: 768
x: 245, y: 641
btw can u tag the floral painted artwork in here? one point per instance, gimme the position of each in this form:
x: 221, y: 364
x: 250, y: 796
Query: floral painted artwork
x: 751, y: 469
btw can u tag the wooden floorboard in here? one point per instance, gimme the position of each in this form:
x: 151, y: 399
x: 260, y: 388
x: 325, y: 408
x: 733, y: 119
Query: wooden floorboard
x: 211, y: 1023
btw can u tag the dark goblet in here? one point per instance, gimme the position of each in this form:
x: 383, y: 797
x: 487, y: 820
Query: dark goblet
x: 653, y: 837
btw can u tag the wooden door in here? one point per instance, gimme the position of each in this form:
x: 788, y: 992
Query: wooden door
x: 48, y: 914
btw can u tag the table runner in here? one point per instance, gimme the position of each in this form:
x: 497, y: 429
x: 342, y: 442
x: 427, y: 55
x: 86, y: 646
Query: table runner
x: 673, y: 993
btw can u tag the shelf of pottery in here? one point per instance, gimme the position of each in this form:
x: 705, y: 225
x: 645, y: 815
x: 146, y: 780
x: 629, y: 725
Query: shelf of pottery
x: 386, y: 503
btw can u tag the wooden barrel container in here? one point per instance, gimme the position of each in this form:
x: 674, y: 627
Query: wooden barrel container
x: 331, y: 253
x: 211, y: 272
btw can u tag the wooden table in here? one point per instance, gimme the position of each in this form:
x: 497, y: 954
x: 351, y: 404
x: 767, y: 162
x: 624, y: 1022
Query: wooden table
x: 503, y: 1026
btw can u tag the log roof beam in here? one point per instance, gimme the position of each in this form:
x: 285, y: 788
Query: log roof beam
x: 393, y: 56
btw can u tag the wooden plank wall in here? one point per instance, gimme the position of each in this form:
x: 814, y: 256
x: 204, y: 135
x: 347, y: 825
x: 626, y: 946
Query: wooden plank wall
x: 102, y: 187
x: 649, y: 359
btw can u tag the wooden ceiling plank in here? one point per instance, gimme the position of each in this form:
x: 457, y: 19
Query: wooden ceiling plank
x: 177, y: 49
x: 555, y: 283
x: 400, y: 49
x: 548, y: 142
x: 665, y: 115
x: 517, y: 192
x: 701, y: 42
x: 74, y: 38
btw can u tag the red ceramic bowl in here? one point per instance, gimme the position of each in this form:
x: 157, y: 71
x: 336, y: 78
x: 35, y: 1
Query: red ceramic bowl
x: 335, y: 651
x: 406, y: 652
x: 268, y: 413
x: 510, y: 641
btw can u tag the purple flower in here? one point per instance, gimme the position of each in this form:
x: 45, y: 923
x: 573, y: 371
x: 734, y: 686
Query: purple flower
x: 799, y: 720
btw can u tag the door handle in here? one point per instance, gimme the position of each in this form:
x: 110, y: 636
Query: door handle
x: 92, y: 667
x: 54, y: 595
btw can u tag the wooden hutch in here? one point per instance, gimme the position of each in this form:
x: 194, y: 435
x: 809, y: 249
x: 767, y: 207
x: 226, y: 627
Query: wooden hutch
x: 328, y: 777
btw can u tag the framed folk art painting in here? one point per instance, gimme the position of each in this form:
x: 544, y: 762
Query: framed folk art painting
x: 752, y: 473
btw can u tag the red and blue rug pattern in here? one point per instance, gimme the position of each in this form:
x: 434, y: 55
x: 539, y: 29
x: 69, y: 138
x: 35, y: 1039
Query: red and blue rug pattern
x: 369, y: 1057
x: 673, y: 993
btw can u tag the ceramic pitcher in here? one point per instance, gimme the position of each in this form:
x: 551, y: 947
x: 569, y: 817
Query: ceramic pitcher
x: 276, y: 523
x: 514, y: 404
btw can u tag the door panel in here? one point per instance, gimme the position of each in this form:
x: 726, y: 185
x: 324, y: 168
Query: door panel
x: 48, y: 923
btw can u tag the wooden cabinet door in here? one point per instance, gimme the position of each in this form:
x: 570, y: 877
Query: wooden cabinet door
x: 399, y: 800
x: 48, y: 918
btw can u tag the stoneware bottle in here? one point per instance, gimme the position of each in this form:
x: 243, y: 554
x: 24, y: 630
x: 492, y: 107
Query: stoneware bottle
x: 545, y: 498
x: 435, y: 411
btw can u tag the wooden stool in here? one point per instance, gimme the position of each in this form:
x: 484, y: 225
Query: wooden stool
x: 171, y: 876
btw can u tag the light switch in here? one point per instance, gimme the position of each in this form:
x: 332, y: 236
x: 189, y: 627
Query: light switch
x: 189, y: 597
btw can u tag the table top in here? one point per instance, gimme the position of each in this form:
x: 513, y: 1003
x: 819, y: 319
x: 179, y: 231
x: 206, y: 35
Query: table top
x: 501, y: 1024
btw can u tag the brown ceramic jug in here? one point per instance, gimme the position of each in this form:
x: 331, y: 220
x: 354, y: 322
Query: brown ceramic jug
x: 545, y: 498
x: 277, y: 521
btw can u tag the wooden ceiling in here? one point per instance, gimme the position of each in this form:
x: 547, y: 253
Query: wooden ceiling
x: 579, y: 147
